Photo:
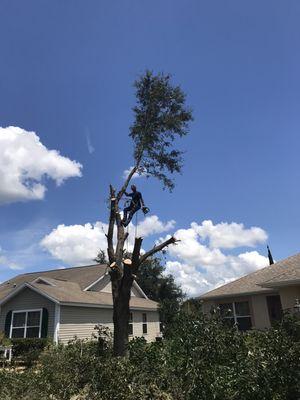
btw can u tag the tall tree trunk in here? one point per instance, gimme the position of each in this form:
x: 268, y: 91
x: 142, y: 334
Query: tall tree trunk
x: 121, y: 320
x: 122, y: 271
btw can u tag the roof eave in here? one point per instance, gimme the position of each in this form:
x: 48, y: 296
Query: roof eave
x: 279, y: 284
x: 98, y: 305
x: 18, y: 289
x: 221, y: 296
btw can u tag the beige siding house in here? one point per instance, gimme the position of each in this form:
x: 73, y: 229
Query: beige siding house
x: 65, y: 303
x: 257, y: 299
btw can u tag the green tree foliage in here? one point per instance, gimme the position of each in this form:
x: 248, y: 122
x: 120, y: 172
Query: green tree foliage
x: 201, y: 359
x: 162, y: 288
x: 161, y: 116
x: 156, y: 283
x: 101, y: 257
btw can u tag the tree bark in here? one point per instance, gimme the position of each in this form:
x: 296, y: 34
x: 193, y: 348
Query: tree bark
x: 121, y: 318
x: 122, y: 274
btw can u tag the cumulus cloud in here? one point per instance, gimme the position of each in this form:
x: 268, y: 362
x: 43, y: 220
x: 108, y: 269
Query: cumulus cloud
x: 140, y: 174
x: 7, y: 263
x: 25, y: 163
x: 229, y: 236
x: 152, y: 225
x: 76, y: 244
x: 198, y: 267
x: 79, y: 244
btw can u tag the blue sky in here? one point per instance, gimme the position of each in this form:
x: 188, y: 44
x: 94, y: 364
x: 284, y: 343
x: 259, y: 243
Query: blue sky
x: 66, y: 73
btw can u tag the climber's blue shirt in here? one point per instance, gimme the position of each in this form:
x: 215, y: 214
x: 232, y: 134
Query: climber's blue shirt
x: 136, y: 199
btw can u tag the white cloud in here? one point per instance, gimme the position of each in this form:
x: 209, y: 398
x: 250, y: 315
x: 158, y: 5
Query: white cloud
x: 7, y: 263
x: 199, y: 268
x: 152, y: 225
x: 79, y: 244
x: 229, y: 236
x: 140, y: 174
x: 76, y: 244
x: 90, y: 147
x: 196, y: 266
x: 25, y: 162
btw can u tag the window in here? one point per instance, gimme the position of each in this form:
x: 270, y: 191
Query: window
x: 274, y: 308
x: 26, y: 324
x: 130, y: 324
x: 145, y: 327
x: 238, y: 313
x: 161, y: 327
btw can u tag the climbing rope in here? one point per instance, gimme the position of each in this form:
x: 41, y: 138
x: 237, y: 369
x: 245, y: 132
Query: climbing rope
x: 135, y: 231
x: 136, y: 224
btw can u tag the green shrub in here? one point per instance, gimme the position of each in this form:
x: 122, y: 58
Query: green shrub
x: 201, y: 360
x: 28, y: 350
x: 4, y: 341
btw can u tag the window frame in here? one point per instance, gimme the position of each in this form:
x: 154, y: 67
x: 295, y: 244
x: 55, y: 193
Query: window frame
x: 130, y: 324
x: 144, y: 324
x: 26, y: 319
x: 234, y: 315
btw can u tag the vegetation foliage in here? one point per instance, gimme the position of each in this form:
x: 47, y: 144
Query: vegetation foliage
x: 160, y: 287
x: 202, y: 359
x: 161, y: 116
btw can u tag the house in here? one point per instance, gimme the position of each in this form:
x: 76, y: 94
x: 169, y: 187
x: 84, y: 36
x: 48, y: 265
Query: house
x: 257, y: 299
x: 64, y: 303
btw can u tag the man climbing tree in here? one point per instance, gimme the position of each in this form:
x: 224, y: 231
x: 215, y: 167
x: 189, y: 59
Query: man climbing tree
x: 160, y: 117
x: 135, y: 205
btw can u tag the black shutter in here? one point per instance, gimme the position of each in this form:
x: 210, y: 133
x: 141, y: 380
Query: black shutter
x: 7, y: 323
x: 44, y: 331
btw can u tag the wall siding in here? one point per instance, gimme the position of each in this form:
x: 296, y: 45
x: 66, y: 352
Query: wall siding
x: 153, y: 327
x: 104, y: 285
x: 28, y: 299
x: 288, y: 296
x: 80, y: 322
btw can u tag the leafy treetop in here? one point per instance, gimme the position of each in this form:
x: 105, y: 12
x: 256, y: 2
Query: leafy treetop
x: 160, y: 117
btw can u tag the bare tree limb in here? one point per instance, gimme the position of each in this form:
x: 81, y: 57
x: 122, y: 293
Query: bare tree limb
x: 126, y: 183
x: 121, y: 239
x: 136, y: 253
x: 157, y: 248
x: 112, y: 218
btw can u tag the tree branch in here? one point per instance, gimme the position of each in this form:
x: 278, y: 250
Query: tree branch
x: 157, y: 248
x: 136, y: 253
x: 126, y: 183
x: 110, y: 232
x: 130, y: 175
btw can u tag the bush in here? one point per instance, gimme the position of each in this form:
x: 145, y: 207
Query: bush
x: 4, y: 341
x: 201, y: 359
x: 28, y: 350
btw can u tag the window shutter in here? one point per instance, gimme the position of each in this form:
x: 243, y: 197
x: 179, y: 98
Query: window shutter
x: 7, y: 323
x: 44, y: 330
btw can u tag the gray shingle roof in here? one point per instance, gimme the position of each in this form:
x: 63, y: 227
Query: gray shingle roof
x: 84, y: 275
x: 288, y: 269
x: 69, y: 284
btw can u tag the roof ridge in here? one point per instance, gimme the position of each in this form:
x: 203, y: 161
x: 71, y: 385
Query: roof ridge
x: 62, y: 269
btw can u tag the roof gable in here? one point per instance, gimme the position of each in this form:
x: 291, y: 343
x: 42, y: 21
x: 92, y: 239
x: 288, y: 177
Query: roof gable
x: 67, y: 287
x: 254, y: 282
